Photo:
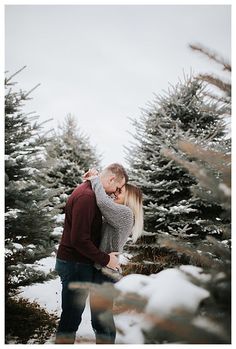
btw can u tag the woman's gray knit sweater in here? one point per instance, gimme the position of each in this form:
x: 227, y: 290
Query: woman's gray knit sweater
x: 118, y: 220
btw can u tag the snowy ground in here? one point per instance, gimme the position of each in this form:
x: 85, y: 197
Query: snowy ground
x: 48, y: 295
x: 175, y: 291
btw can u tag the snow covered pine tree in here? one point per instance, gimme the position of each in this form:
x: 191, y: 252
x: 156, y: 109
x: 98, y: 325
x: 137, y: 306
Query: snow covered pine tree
x: 29, y: 217
x: 41, y: 171
x: 69, y: 155
x: 211, y: 166
x: 169, y: 204
x: 192, y: 133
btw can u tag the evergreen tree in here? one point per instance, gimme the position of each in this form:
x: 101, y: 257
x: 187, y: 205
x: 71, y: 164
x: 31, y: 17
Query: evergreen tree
x: 168, y: 202
x: 206, y: 159
x: 185, y: 113
x: 69, y: 155
x: 29, y: 220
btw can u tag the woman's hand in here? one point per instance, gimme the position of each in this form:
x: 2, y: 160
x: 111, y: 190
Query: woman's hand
x: 90, y: 173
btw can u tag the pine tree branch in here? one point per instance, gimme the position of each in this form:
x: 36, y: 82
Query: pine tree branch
x: 212, y: 136
x: 211, y: 55
x: 7, y: 80
x: 219, y: 99
x: 207, y: 180
x: 34, y: 88
x: 223, y: 86
x: 216, y: 159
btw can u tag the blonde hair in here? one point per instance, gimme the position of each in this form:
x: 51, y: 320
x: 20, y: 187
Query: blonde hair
x: 134, y: 200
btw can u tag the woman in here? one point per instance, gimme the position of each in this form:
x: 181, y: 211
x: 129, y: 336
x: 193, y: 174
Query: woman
x: 123, y: 217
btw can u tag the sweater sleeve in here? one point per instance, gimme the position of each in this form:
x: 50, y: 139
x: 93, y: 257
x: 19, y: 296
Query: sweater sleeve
x: 83, y: 212
x: 115, y: 214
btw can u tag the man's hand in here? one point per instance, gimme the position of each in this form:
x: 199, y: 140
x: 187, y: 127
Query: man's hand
x: 90, y: 173
x: 113, y: 263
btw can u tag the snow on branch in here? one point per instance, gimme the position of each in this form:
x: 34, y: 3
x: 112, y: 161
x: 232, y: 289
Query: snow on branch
x: 211, y: 55
x: 218, y: 184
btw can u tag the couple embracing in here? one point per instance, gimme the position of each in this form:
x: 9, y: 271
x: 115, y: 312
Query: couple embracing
x: 100, y: 215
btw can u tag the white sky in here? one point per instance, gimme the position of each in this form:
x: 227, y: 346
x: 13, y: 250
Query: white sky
x: 103, y: 63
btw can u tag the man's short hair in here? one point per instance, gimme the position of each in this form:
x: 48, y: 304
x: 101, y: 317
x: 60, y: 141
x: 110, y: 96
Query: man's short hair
x: 118, y: 170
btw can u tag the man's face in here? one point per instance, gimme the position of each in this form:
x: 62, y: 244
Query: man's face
x: 112, y: 186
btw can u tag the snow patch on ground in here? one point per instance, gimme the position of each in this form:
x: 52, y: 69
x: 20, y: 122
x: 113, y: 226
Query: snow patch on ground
x: 46, y: 294
x: 165, y: 291
x: 46, y: 265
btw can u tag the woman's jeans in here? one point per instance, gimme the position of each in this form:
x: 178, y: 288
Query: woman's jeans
x: 74, y: 300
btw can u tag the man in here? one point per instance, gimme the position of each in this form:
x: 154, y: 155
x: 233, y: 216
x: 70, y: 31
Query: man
x: 78, y: 250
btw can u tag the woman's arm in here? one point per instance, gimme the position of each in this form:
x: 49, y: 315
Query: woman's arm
x: 115, y: 214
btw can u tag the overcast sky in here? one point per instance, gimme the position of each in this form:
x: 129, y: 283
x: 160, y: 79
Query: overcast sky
x: 103, y: 63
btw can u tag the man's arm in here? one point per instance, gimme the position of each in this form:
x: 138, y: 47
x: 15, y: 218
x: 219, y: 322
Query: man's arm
x: 83, y: 213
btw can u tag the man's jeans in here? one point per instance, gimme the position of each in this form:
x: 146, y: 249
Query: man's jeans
x: 74, y: 300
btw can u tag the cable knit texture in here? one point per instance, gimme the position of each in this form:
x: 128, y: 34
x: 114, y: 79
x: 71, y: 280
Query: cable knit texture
x: 118, y: 220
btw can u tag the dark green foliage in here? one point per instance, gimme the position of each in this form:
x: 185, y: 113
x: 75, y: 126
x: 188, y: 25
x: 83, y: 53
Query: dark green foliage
x: 19, y: 275
x: 181, y: 159
x: 149, y: 257
x: 69, y: 155
x: 27, y: 321
x: 168, y: 201
x: 172, y: 204
x: 40, y: 172
x: 29, y: 219
x: 180, y: 330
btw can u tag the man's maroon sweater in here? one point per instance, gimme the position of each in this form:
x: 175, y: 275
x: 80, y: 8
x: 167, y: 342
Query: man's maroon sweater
x: 82, y: 228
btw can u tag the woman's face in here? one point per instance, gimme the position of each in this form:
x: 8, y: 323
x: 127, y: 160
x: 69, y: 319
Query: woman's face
x: 120, y: 196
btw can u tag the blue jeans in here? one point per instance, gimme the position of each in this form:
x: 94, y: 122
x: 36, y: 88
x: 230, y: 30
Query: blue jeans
x: 74, y: 300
